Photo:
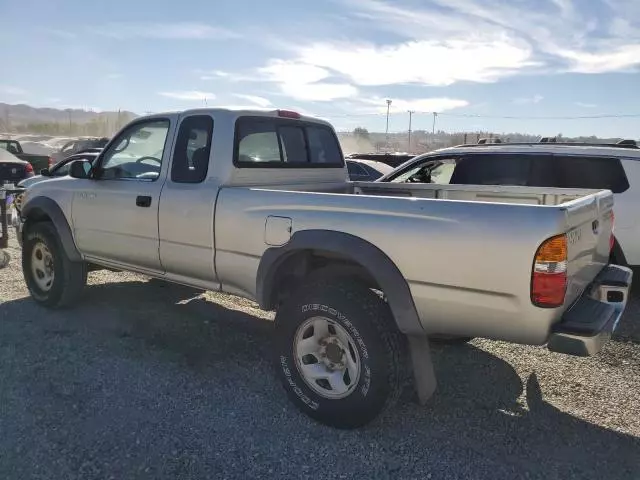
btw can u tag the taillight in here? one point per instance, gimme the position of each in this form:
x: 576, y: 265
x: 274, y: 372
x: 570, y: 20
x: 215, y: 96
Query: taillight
x: 288, y: 114
x: 612, y: 239
x: 549, y: 276
x: 50, y: 162
x: 28, y: 168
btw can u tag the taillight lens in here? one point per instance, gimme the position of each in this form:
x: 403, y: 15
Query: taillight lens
x: 50, y: 162
x: 549, y: 276
x: 28, y: 168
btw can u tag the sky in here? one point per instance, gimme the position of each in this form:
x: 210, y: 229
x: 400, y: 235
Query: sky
x: 476, y: 63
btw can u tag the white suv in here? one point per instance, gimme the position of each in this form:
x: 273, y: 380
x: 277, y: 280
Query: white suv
x: 563, y: 165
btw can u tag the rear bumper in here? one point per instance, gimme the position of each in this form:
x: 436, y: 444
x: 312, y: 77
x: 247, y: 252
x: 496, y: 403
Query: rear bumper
x: 589, y: 323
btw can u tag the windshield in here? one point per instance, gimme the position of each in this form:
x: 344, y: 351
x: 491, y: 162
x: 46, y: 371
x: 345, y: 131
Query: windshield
x: 10, y: 146
x: 429, y: 171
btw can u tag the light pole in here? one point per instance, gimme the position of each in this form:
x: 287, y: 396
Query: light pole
x: 387, y: 130
x: 411, y: 112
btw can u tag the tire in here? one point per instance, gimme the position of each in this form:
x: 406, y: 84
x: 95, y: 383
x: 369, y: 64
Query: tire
x: 68, y: 278
x: 373, y: 342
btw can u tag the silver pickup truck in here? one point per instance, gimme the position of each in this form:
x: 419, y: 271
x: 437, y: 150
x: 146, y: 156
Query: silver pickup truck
x: 257, y: 204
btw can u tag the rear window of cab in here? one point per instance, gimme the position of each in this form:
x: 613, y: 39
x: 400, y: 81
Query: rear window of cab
x: 266, y: 142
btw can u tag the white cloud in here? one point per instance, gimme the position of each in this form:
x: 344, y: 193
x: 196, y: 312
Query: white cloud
x: 189, y: 95
x: 621, y: 58
x: 399, y: 105
x: 528, y: 100
x: 557, y: 32
x: 291, y: 71
x: 435, y: 63
x: 11, y: 90
x: 168, y: 31
x: 64, y: 34
x: 586, y: 105
x: 318, y: 92
x: 259, y: 101
x: 218, y: 74
x: 302, y: 81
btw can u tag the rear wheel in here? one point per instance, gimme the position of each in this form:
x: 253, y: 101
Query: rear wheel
x: 340, y: 356
x: 52, y: 279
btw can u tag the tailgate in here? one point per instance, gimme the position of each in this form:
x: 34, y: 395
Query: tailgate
x: 589, y: 229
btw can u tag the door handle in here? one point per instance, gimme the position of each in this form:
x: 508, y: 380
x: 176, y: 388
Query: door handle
x: 143, y: 201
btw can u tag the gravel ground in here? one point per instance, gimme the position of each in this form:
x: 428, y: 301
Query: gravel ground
x: 147, y: 380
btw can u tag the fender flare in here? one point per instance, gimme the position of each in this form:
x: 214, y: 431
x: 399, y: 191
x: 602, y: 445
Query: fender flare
x: 38, y: 206
x: 371, y: 258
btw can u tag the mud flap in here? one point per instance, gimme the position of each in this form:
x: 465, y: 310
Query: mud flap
x: 423, y: 374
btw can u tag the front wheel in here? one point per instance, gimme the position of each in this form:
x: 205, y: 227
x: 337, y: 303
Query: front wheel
x: 340, y: 356
x: 52, y: 278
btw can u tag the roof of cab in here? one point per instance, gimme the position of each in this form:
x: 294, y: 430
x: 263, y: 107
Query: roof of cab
x: 240, y: 112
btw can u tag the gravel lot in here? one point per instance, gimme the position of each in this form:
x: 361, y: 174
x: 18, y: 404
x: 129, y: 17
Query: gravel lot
x: 146, y: 380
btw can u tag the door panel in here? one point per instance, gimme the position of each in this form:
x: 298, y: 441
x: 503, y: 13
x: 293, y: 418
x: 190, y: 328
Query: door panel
x: 109, y: 225
x: 115, y: 214
x: 188, y: 202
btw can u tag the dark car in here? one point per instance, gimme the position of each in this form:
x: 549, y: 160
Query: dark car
x: 77, y: 146
x: 12, y: 169
x: 14, y: 147
x: 366, y: 170
x: 392, y: 159
x: 61, y: 168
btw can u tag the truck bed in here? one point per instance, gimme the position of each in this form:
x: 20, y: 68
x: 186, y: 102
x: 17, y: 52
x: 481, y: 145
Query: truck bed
x: 466, y: 250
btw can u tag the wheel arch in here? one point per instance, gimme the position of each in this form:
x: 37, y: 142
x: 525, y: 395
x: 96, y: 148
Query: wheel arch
x: 329, y: 253
x: 41, y: 209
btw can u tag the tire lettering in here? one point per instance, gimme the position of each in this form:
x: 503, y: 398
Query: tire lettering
x: 287, y: 373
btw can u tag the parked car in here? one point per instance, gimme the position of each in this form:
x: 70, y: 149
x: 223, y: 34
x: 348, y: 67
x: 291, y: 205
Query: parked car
x: 38, y: 162
x: 358, y: 275
x: 366, y: 170
x: 78, y: 145
x: 614, y: 167
x: 13, y: 169
x: 60, y: 169
x: 391, y: 159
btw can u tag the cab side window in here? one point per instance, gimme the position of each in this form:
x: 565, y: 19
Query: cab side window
x: 193, y: 147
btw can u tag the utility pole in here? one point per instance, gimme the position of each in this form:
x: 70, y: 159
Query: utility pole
x: 433, y: 129
x: 387, y: 130
x: 411, y: 112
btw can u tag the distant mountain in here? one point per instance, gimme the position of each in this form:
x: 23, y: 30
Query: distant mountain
x: 24, y: 118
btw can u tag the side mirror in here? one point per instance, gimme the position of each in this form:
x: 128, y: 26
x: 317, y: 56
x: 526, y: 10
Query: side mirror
x: 45, y: 172
x: 80, y: 169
